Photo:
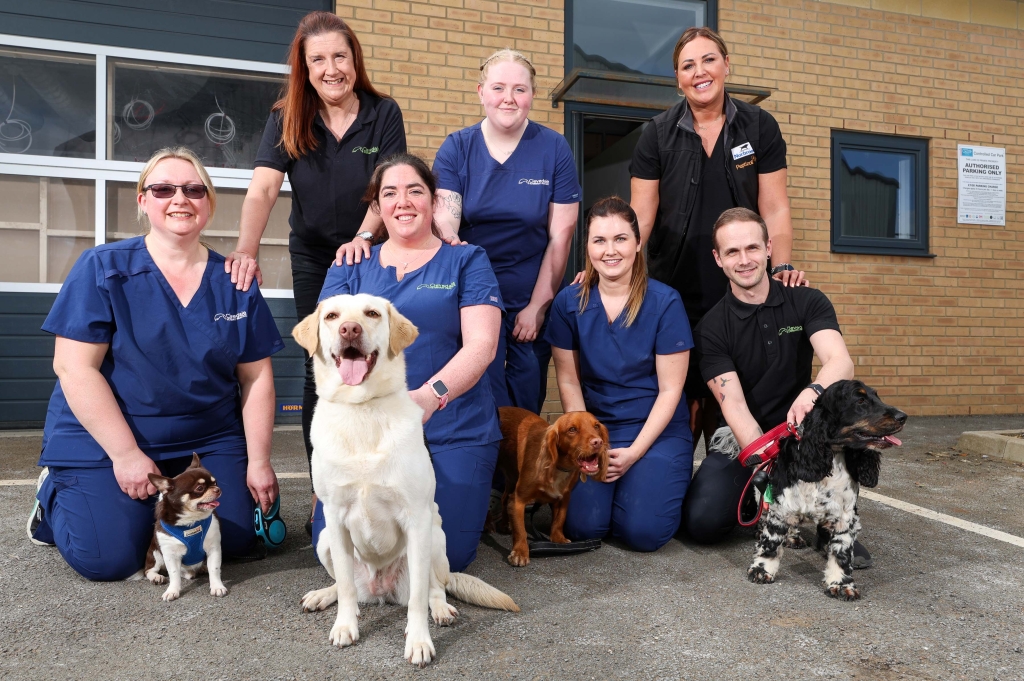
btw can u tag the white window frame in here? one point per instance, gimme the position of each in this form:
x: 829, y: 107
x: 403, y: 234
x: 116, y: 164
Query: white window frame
x: 100, y: 169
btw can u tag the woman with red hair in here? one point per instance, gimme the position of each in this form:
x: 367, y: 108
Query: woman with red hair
x: 327, y: 133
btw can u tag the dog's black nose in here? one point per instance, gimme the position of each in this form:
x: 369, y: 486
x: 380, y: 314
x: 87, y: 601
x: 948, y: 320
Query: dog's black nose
x: 350, y: 330
x: 900, y: 417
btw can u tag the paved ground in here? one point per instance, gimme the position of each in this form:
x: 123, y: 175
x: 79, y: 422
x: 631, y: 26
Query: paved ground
x: 940, y: 603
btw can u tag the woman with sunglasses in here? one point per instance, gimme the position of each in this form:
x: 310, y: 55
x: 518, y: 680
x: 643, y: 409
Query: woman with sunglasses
x: 158, y: 356
x: 327, y: 133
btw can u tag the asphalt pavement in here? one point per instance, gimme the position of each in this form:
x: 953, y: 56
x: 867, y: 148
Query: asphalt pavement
x: 941, y: 602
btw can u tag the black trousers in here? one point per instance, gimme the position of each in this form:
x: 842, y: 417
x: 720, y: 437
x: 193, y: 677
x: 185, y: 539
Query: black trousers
x: 709, y: 510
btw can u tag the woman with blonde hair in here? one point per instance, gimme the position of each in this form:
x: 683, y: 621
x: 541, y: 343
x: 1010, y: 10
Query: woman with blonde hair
x: 509, y: 185
x: 621, y: 344
x: 158, y: 356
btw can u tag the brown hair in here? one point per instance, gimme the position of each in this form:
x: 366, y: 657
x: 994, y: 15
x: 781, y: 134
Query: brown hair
x: 613, y: 206
x: 372, y: 195
x: 734, y: 215
x: 508, y: 54
x: 184, y: 154
x: 299, y: 102
x: 691, y: 34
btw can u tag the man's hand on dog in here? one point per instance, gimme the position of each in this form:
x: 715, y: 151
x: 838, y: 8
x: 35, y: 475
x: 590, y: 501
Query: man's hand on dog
x: 620, y: 461
x: 262, y: 483
x: 803, y: 403
x: 132, y: 475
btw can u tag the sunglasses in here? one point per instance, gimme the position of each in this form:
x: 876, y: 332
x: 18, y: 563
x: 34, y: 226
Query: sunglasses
x: 166, y: 191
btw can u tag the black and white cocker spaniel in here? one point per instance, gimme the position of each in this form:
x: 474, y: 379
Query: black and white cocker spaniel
x: 817, y: 479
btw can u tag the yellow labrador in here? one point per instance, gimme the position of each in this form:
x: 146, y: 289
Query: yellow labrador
x: 371, y: 469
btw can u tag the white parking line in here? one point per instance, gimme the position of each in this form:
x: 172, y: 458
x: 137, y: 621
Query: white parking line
x: 942, y: 518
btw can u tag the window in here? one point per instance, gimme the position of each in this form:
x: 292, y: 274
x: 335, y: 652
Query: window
x: 879, y: 194
x: 67, y: 184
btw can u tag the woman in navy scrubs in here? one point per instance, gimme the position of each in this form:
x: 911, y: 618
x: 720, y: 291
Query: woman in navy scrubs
x: 509, y: 185
x: 327, y: 133
x: 451, y: 295
x: 158, y: 356
x: 621, y: 344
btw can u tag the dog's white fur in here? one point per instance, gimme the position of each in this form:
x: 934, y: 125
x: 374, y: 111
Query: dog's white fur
x: 372, y: 471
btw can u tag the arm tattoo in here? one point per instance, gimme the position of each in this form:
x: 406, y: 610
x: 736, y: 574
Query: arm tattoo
x: 724, y: 381
x: 454, y: 203
x: 721, y: 397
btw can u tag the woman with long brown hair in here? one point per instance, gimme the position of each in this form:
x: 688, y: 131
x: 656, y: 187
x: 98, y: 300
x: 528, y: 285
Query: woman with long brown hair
x: 327, y: 133
x: 621, y: 345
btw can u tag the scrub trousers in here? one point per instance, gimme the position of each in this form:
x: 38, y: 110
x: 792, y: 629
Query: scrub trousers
x: 104, y: 534
x: 642, y: 508
x: 709, y: 513
x: 462, y: 494
x: 519, y: 372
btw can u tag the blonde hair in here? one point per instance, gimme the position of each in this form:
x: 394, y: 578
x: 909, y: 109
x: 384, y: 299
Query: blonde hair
x: 504, y: 55
x: 185, y: 154
x: 613, y: 206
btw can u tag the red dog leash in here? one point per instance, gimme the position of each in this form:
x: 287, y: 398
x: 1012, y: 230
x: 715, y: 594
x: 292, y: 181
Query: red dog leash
x: 761, y: 454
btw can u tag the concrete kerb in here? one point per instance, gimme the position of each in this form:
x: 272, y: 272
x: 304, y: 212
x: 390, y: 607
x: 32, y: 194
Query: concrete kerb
x: 1000, y: 444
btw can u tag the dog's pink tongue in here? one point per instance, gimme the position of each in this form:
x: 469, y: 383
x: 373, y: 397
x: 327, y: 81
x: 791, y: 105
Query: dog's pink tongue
x: 892, y: 440
x: 353, y: 371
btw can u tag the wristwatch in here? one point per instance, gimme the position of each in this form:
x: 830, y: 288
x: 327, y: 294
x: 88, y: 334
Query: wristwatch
x: 440, y: 391
x: 818, y: 390
x: 368, y: 236
x: 784, y: 267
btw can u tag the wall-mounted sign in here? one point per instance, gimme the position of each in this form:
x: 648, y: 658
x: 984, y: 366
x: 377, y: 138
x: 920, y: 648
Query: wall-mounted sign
x: 981, y: 185
x: 291, y: 408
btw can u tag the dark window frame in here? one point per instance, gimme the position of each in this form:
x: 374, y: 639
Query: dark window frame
x: 712, y: 23
x: 863, y: 141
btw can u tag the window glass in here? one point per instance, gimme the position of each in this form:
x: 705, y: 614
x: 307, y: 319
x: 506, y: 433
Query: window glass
x: 45, y: 225
x: 219, y: 114
x: 632, y: 36
x: 221, y: 233
x: 877, y: 194
x: 47, y: 103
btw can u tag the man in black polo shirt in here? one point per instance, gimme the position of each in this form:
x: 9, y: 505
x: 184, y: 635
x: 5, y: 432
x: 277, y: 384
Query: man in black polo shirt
x: 757, y: 345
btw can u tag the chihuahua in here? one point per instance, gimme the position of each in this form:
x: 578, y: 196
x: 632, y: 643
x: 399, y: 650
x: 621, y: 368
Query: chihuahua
x: 187, y: 532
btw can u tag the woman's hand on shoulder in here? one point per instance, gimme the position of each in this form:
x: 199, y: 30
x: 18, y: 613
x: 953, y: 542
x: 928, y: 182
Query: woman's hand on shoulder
x: 619, y: 461
x: 426, y: 399
x: 261, y: 480
x: 528, y: 323
x: 242, y: 267
x: 792, y: 278
x: 132, y: 474
x: 353, y: 252
x: 578, y: 279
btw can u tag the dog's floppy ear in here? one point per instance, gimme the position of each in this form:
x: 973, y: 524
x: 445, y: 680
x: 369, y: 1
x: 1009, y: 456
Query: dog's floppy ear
x: 602, y: 457
x: 864, y: 465
x: 195, y: 461
x: 160, y: 482
x: 307, y: 332
x: 551, y: 442
x: 403, y: 332
x: 811, y: 459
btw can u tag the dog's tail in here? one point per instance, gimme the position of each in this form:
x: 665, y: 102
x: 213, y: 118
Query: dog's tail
x: 469, y: 589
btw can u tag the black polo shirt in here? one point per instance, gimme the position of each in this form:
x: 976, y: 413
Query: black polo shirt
x: 328, y: 183
x: 767, y: 345
x: 692, y: 195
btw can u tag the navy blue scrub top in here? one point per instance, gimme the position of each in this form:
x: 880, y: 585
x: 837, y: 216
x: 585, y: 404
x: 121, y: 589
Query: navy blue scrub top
x: 171, y: 368
x: 505, y: 206
x: 431, y: 297
x: 617, y: 363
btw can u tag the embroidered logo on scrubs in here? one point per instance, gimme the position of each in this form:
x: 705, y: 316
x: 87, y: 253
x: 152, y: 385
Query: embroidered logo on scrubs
x: 446, y: 287
x: 742, y: 150
x: 528, y: 181
x: 366, y: 150
x: 790, y: 329
x: 494, y: 299
x: 229, y: 317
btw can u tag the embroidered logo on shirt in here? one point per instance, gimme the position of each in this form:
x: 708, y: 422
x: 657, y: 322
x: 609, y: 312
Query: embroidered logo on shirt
x: 528, y: 181
x: 742, y: 150
x: 366, y: 150
x: 746, y: 164
x: 790, y: 329
x: 494, y: 299
x: 446, y: 287
x: 229, y: 317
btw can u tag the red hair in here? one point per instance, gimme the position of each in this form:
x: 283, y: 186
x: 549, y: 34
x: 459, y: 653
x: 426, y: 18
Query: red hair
x: 300, y: 102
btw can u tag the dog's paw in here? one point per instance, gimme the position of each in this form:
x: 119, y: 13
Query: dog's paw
x: 846, y: 592
x: 218, y: 591
x: 419, y: 652
x: 795, y: 541
x: 156, y: 577
x: 171, y: 594
x: 443, y: 612
x: 758, y: 575
x: 320, y: 599
x: 519, y: 558
x: 345, y: 632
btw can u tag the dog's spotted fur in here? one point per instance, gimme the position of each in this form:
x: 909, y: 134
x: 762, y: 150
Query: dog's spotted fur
x: 818, y: 477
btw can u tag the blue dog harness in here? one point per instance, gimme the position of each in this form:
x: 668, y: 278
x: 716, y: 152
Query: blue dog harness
x: 192, y: 537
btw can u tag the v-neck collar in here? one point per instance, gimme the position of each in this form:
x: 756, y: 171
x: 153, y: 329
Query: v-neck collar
x: 598, y: 301
x: 393, y: 271
x: 519, y: 144
x: 204, y: 285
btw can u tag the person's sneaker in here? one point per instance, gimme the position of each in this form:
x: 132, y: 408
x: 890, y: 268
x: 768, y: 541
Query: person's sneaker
x: 861, y: 557
x: 35, y: 519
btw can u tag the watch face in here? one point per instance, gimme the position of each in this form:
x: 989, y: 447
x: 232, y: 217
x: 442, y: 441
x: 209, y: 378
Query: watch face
x: 439, y: 387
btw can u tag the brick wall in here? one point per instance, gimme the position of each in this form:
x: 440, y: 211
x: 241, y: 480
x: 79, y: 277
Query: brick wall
x: 427, y: 56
